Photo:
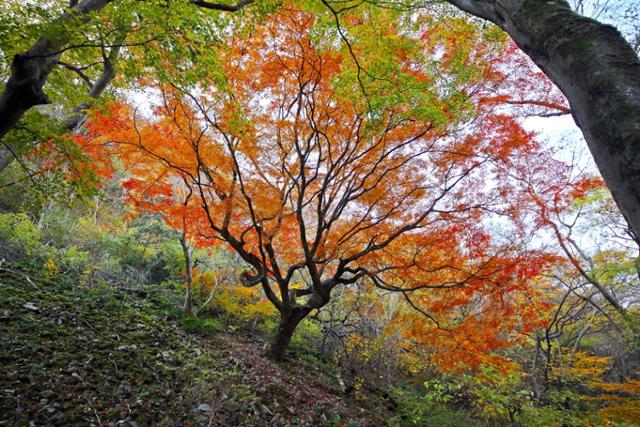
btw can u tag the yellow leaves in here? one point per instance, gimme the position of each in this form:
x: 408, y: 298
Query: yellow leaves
x: 206, y: 280
x: 622, y: 401
x: 362, y: 348
x: 585, y: 366
x: 622, y: 409
x: 244, y: 303
x: 51, y: 267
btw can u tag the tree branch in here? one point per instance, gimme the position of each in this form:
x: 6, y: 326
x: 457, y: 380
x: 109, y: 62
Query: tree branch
x: 222, y: 7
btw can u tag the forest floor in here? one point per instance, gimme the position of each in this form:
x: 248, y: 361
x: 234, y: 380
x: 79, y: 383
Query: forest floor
x: 103, y: 356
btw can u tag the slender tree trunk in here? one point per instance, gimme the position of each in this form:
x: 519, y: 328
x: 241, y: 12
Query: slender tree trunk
x: 289, y: 320
x: 537, y: 391
x: 576, y: 344
x: 598, y: 72
x: 188, y: 264
x: 210, y: 297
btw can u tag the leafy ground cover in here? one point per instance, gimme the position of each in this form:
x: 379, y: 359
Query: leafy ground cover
x: 106, y: 356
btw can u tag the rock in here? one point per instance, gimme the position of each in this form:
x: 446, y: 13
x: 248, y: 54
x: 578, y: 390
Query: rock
x: 203, y: 407
x: 5, y: 315
x: 124, y: 389
x: 57, y: 417
x: 46, y: 394
x: 30, y: 306
x: 44, y: 401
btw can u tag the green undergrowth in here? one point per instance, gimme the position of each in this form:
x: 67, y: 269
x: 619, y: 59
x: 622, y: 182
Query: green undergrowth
x: 106, y: 356
x: 201, y: 326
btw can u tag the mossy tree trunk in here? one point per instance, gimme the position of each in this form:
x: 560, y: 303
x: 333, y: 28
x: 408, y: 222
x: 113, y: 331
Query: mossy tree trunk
x: 598, y: 72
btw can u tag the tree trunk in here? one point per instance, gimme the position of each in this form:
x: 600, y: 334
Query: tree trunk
x: 7, y: 154
x: 598, y: 72
x: 537, y: 391
x: 289, y: 320
x: 30, y: 70
x: 188, y: 265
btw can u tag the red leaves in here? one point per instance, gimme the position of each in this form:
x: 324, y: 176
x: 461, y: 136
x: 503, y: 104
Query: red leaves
x: 289, y: 171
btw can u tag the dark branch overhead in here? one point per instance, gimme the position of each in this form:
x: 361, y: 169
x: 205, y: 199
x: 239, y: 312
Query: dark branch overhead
x: 223, y: 7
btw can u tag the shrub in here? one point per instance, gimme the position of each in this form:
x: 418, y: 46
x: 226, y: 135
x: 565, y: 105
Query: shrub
x: 19, y: 238
x: 414, y: 409
x: 204, y: 326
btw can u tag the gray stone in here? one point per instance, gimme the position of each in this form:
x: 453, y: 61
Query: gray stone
x: 203, y: 407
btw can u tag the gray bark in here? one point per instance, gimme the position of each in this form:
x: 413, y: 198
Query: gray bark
x: 30, y: 71
x: 78, y: 114
x: 598, y: 72
x: 188, y: 264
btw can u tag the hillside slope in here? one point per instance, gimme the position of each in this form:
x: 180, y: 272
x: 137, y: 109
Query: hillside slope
x: 103, y: 356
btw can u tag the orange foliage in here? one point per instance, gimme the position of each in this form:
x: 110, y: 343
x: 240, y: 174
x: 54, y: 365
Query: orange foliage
x: 293, y: 173
x: 622, y: 400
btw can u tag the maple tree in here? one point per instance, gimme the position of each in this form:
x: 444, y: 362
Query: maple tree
x: 317, y: 183
x: 560, y: 199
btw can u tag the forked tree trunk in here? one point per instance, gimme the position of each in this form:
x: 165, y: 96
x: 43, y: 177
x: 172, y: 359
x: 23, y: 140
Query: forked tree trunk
x: 289, y: 321
x: 598, y: 72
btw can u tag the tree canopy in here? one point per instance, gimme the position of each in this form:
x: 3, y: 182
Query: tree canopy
x: 317, y: 184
